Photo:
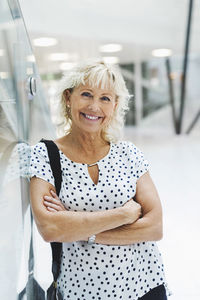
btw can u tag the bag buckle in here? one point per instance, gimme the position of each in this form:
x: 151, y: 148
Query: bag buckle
x: 55, y: 284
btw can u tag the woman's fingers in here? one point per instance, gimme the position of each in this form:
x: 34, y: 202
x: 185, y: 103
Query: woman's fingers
x: 51, y: 199
x: 54, y: 194
x: 51, y: 209
x: 58, y: 200
x: 54, y: 203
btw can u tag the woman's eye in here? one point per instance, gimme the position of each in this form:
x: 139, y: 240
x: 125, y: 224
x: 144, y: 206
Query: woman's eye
x: 105, y: 98
x: 86, y: 94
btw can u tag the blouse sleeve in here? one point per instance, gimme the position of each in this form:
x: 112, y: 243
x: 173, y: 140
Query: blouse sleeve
x: 139, y: 164
x: 142, y: 165
x: 39, y: 163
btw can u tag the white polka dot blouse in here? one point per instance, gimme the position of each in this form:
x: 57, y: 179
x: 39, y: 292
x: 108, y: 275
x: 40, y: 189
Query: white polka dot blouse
x: 102, y: 271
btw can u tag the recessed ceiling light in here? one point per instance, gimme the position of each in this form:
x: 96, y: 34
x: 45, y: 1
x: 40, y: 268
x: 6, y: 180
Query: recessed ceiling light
x: 161, y: 52
x: 59, y: 56
x: 44, y: 42
x: 111, y: 59
x: 110, y: 48
x: 1, y: 52
x: 66, y: 66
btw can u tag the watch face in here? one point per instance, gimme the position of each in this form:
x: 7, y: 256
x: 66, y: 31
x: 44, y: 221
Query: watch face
x: 91, y: 239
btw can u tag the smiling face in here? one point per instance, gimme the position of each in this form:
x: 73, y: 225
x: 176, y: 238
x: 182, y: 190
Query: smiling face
x: 91, y: 108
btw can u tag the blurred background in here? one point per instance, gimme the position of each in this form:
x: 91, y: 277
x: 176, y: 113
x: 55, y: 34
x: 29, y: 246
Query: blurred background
x: 156, y: 44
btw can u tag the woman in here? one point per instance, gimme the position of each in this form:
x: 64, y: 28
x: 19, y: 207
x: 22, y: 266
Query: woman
x: 108, y: 211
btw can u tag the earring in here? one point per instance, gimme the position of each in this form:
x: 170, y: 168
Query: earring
x: 68, y: 110
x: 68, y: 107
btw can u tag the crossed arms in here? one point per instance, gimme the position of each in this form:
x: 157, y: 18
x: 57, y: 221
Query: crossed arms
x: 120, y: 226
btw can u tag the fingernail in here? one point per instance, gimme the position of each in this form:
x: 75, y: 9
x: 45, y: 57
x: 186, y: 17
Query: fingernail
x: 47, y: 197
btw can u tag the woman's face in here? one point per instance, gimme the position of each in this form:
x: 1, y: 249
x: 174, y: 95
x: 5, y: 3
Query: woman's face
x: 91, y: 108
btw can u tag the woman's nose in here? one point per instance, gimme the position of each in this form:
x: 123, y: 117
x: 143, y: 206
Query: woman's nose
x: 94, y: 105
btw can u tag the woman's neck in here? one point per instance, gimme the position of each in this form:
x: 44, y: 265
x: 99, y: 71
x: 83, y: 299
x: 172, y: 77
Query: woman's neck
x: 86, y: 142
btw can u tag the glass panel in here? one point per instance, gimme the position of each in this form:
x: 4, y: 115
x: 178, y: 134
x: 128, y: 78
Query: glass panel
x: 24, y: 119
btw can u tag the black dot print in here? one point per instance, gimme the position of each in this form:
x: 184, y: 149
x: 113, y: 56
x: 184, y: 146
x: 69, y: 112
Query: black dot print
x: 102, y: 271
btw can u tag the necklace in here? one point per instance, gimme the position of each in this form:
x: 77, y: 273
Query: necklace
x: 90, y: 165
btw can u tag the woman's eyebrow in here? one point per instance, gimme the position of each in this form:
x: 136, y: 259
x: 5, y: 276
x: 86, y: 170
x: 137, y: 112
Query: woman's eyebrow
x: 108, y: 94
x: 104, y: 93
x: 85, y: 89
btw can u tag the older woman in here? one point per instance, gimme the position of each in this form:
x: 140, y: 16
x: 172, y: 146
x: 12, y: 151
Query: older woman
x: 108, y: 212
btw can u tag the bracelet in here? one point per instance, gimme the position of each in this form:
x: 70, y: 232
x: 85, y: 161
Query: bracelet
x: 91, y: 239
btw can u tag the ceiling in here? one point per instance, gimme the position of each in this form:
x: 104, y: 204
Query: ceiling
x: 81, y: 26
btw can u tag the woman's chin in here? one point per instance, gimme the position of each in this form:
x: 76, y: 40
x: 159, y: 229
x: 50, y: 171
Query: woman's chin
x: 94, y: 130
x: 91, y: 126
x: 91, y: 131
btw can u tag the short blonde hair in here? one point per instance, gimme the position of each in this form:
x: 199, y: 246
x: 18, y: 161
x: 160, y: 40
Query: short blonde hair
x: 96, y: 73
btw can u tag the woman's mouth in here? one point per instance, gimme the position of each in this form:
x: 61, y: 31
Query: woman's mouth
x: 90, y: 117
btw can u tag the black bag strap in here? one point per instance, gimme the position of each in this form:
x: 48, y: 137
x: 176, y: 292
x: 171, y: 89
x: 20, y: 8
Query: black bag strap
x: 54, y: 159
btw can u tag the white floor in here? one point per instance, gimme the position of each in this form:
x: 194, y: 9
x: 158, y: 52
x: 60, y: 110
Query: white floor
x: 175, y: 164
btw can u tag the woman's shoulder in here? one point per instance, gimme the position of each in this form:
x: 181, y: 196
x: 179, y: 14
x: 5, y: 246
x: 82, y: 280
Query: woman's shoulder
x: 39, y: 146
x: 64, y: 145
x: 127, y: 146
x: 130, y: 153
x: 39, y: 163
x: 39, y: 150
x: 129, y: 150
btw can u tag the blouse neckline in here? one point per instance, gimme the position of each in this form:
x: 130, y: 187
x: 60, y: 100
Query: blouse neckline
x: 84, y: 164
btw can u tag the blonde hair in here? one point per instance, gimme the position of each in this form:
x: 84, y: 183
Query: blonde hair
x: 96, y: 73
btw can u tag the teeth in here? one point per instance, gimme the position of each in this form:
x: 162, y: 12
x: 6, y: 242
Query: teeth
x: 91, y: 117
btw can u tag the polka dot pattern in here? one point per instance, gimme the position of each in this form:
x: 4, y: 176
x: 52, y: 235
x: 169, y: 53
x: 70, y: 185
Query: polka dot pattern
x: 39, y: 163
x: 102, y: 271
x: 18, y: 164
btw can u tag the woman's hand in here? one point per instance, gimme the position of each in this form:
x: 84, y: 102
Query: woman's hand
x: 53, y: 204
x: 133, y: 210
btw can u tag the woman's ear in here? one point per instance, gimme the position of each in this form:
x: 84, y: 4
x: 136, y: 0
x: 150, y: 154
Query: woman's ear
x: 67, y: 95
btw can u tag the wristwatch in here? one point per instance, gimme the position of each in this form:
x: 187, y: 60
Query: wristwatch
x: 91, y: 239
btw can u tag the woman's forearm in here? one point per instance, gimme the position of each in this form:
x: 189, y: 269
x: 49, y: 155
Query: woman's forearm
x: 56, y: 224
x: 61, y: 225
x: 69, y: 226
x: 144, y: 229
